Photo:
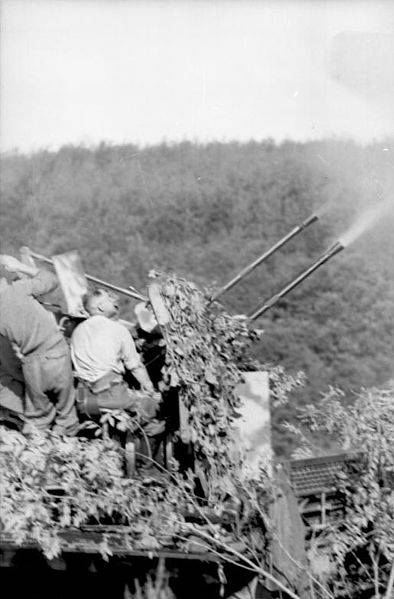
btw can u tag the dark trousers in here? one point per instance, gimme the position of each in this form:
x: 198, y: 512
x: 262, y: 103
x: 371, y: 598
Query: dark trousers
x: 49, y: 390
x: 113, y: 394
x: 115, y: 397
x: 11, y: 379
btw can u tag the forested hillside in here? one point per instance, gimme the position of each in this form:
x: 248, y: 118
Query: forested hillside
x: 205, y: 211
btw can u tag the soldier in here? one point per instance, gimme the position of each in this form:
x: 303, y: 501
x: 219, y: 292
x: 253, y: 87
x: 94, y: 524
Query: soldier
x: 40, y: 356
x: 102, y: 349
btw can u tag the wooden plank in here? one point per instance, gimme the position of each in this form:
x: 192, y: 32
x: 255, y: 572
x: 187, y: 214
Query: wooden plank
x: 160, y: 311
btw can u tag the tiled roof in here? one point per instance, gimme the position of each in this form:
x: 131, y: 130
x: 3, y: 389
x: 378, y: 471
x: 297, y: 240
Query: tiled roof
x: 316, y: 475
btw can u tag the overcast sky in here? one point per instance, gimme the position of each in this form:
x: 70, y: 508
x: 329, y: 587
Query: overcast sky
x: 77, y: 71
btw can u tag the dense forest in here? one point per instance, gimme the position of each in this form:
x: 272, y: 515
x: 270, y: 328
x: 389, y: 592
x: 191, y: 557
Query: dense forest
x: 204, y: 211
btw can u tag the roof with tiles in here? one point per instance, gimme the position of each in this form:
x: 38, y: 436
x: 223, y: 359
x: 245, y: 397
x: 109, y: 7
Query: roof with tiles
x: 317, y: 475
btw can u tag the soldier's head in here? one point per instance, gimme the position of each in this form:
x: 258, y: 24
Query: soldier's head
x: 101, y: 302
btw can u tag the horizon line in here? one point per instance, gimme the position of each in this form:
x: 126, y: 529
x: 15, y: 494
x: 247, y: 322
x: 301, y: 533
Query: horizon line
x: 93, y: 146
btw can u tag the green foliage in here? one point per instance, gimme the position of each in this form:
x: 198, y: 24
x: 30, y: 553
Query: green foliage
x: 94, y: 490
x: 361, y: 547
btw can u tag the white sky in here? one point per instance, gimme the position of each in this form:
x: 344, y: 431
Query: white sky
x: 77, y: 71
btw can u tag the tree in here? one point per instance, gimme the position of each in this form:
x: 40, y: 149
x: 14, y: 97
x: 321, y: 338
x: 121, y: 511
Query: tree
x: 361, y: 546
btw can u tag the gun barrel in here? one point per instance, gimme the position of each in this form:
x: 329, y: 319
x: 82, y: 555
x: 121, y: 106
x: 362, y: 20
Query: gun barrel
x: 122, y: 290
x: 295, y: 231
x: 327, y: 255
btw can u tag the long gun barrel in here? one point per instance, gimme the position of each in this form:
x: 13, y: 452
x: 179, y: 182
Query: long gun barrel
x: 129, y: 293
x: 327, y: 255
x: 295, y: 231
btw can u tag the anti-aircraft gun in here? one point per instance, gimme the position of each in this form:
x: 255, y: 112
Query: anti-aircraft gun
x: 151, y: 313
x: 152, y: 318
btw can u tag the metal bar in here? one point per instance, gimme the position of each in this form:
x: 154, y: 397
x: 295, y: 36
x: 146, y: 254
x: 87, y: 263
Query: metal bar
x: 129, y: 293
x: 295, y: 231
x: 335, y: 249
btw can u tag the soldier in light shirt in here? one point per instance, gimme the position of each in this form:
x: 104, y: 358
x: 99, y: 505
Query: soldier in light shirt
x: 102, y: 349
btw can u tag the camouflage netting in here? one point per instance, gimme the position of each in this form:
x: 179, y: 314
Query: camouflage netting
x: 205, y: 349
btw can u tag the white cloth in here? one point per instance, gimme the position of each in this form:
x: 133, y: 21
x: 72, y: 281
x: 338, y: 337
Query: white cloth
x: 99, y: 346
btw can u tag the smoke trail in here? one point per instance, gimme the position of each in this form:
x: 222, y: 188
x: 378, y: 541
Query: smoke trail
x: 366, y: 221
x: 358, y: 198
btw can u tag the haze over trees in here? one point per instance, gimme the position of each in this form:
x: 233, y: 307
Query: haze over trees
x: 204, y: 212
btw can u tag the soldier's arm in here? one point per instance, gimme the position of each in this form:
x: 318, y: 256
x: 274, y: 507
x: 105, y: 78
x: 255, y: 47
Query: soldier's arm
x: 33, y: 281
x: 41, y: 283
x: 142, y: 376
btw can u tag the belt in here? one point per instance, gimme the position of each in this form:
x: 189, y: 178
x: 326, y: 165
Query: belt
x: 102, y: 384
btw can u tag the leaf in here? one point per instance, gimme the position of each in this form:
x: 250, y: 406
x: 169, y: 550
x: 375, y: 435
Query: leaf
x: 210, y: 377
